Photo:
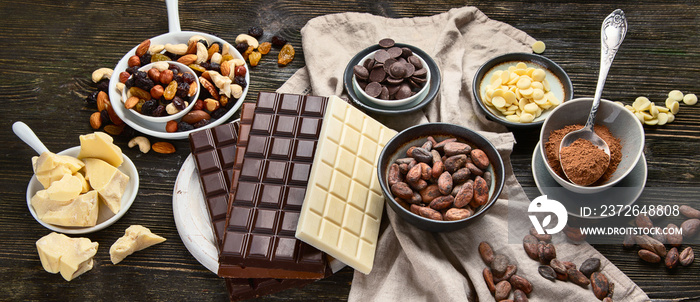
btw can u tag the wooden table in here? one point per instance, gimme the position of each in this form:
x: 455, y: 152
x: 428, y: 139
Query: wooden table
x: 49, y: 50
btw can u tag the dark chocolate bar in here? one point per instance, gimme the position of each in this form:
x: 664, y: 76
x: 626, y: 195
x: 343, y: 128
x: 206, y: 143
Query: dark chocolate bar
x: 214, y: 151
x: 242, y: 289
x: 266, y: 199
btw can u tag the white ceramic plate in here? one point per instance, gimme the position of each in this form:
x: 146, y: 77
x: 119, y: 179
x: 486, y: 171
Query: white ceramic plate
x: 105, y: 217
x: 158, y: 129
x: 625, y: 192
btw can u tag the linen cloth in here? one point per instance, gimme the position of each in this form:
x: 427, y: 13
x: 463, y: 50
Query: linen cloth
x: 411, y: 264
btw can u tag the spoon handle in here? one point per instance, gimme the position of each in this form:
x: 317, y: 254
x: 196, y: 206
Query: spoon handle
x: 612, y: 33
x: 27, y: 136
x: 173, y: 16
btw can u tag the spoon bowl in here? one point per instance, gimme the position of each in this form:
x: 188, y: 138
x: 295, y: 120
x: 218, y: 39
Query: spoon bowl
x: 612, y: 33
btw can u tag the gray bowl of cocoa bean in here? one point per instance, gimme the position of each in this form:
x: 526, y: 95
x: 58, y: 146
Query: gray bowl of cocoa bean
x: 439, y: 177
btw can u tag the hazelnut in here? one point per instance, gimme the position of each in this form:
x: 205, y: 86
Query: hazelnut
x: 134, y: 61
x: 157, y: 91
x: 154, y: 74
x: 123, y: 77
x: 166, y: 76
x: 198, y: 105
x: 171, y: 126
x: 240, y: 70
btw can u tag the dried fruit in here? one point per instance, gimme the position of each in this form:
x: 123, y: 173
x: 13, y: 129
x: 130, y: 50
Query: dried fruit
x: 255, y: 32
x: 286, y: 55
x: 170, y: 91
x: 278, y: 41
x: 114, y: 129
x: 163, y: 147
x: 264, y: 47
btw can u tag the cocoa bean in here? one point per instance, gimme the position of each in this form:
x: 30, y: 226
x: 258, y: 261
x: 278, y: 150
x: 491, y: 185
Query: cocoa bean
x: 426, y: 171
x: 402, y: 190
x: 499, y: 265
x: 487, y: 177
x: 412, y: 164
x: 651, y: 244
x: 429, y: 193
x: 687, y: 256
x: 465, y: 195
x: 403, y: 169
x: 461, y: 175
x: 456, y: 189
x: 589, y: 266
x: 454, y: 163
x: 414, y: 174
x: 519, y: 296
x: 574, y: 233
x: 415, y: 209
x: 394, y: 175
x: 607, y: 299
x: 520, y: 283
x: 676, y: 238
x: 428, y: 145
x: 569, y: 264
x: 643, y: 221
x: 577, y: 278
x: 481, y: 191
x: 441, y: 145
x: 547, y: 272
x: 502, y: 290
x: 410, y: 150
x: 547, y: 253
x: 442, y: 202
x: 599, y: 284
x: 405, y: 160
x: 611, y: 290
x: 488, y: 278
x: 672, y: 258
x: 438, y: 168
x: 473, y: 169
x: 510, y: 271
x: 430, y: 213
x: 454, y: 148
x: 530, y: 247
x: 445, y: 183
x: 628, y: 242
x: 562, y: 277
x: 431, y: 140
x: 689, y: 212
x: 659, y: 236
x: 418, y: 185
x: 436, y: 156
x: 403, y: 203
x: 690, y: 227
x: 454, y: 214
x: 416, y: 199
x: 479, y: 158
x: 422, y: 155
x: 558, y: 266
x: 540, y: 237
x: 649, y: 256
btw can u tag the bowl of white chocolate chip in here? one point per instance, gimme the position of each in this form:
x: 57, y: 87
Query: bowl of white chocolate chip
x: 519, y: 90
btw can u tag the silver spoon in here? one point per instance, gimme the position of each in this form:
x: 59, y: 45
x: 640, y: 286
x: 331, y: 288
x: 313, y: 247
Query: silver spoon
x: 612, y: 33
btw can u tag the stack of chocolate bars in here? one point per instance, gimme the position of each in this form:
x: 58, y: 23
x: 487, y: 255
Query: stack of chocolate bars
x: 291, y: 183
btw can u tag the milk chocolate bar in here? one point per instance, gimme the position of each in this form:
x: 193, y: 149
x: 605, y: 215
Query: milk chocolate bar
x: 265, y: 202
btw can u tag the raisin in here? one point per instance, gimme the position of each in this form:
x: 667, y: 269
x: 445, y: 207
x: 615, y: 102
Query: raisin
x: 198, y: 69
x: 215, y: 67
x: 205, y: 65
x: 256, y: 32
x: 91, y: 99
x: 159, y: 111
x: 182, y: 126
x: 178, y: 78
x: 188, y: 77
x: 145, y: 59
x: 132, y: 69
x: 179, y: 103
x: 264, y: 47
x: 182, y: 90
x: 170, y: 91
x: 201, y: 123
x: 141, y: 80
x: 278, y: 41
x: 242, y: 47
x: 104, y: 117
x: 286, y: 55
x: 240, y: 80
x: 149, y: 106
x: 172, y: 56
x: 218, y: 113
x: 103, y: 85
x: 254, y: 58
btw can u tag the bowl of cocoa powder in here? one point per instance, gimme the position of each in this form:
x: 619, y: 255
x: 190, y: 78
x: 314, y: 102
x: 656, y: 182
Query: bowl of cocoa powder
x: 619, y: 128
x: 440, y: 177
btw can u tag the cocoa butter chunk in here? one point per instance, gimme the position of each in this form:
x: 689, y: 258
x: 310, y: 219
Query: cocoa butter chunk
x: 69, y: 256
x: 135, y: 238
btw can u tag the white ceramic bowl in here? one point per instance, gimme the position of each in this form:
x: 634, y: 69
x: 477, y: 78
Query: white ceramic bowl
x: 158, y: 129
x: 105, y: 217
x: 164, y: 119
x: 622, y: 124
x: 393, y: 103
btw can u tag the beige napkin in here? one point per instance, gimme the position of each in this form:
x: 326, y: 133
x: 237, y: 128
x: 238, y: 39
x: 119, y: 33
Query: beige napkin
x: 414, y: 265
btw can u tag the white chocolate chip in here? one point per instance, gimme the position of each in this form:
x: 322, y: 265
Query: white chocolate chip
x: 690, y: 99
x: 538, y: 47
x: 675, y: 95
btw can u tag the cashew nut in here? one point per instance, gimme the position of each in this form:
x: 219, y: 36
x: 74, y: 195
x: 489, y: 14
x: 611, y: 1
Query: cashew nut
x: 197, y: 38
x: 120, y: 87
x: 157, y: 48
x: 216, y: 58
x: 102, y: 73
x: 178, y: 49
x: 161, y: 65
x: 225, y: 49
x: 236, y: 91
x: 248, y: 39
x: 142, y: 142
x: 202, y: 53
x: 238, y: 62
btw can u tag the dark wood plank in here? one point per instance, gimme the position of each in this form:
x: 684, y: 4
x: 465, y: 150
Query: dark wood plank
x: 51, y: 48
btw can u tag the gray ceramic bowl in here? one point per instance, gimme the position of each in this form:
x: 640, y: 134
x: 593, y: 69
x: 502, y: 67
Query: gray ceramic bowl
x: 622, y: 124
x: 556, y: 76
x: 416, y: 135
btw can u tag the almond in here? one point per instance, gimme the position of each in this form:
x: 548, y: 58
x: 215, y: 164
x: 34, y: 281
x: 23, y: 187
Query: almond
x: 192, y: 47
x: 195, y: 116
x: 131, y: 102
x: 96, y: 120
x: 102, y: 100
x: 187, y: 59
x: 163, y: 147
x: 142, y: 49
x: 225, y: 68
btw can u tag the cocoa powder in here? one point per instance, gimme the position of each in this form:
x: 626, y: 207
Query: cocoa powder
x: 583, y: 162
x: 552, y: 149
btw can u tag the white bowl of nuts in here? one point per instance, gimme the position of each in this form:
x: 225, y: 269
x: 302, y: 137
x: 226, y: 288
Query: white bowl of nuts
x: 161, y: 91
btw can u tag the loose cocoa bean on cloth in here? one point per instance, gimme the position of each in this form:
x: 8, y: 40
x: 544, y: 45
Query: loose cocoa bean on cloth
x: 414, y: 265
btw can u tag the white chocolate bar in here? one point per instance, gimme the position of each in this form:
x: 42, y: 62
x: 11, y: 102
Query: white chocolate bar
x: 343, y: 204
